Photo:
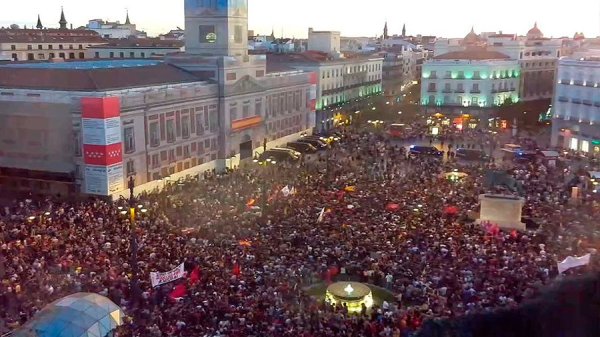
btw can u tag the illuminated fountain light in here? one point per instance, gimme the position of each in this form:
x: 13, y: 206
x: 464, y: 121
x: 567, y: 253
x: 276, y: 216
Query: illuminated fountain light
x: 352, y: 295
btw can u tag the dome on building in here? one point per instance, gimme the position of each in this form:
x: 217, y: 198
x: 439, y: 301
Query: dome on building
x: 77, y: 315
x: 472, y: 37
x: 535, y: 33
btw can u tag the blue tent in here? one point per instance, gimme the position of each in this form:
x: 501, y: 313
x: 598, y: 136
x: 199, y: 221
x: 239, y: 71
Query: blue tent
x: 77, y: 315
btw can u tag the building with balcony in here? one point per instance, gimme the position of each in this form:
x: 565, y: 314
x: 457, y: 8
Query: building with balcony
x: 576, y: 105
x: 536, y: 54
x: 469, y: 80
x: 341, y: 81
x: 89, y: 126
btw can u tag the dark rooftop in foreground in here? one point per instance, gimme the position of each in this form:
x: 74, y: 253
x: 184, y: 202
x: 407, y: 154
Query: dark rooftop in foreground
x: 91, y: 75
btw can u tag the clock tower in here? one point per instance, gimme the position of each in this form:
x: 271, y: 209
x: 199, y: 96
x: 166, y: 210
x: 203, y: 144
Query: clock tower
x: 216, y: 27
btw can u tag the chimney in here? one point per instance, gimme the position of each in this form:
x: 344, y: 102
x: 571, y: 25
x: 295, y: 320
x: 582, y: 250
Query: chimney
x: 310, y: 30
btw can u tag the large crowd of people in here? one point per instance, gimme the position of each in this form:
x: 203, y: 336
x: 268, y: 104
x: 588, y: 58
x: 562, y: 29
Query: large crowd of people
x: 253, y: 268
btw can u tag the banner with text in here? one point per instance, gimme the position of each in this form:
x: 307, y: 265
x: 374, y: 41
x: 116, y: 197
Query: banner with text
x: 161, y: 278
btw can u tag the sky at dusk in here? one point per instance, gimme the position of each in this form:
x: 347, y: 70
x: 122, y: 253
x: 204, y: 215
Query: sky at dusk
x: 351, y: 17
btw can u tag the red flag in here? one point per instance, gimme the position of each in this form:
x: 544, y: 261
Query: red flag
x: 514, y: 234
x: 195, y: 276
x: 179, y: 292
x: 237, y: 270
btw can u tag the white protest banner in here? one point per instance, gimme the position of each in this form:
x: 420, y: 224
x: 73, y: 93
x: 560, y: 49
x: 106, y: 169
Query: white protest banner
x: 572, y: 262
x: 161, y: 278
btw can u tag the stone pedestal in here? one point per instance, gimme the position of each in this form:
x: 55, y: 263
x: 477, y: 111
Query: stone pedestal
x: 502, y: 210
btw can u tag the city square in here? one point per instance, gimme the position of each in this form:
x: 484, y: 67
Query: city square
x: 235, y: 185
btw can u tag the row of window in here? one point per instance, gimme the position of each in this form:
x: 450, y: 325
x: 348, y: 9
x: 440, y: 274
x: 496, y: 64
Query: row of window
x: 540, y: 64
x: 50, y: 47
x: 350, y: 70
x: 286, y: 102
x: 131, y: 54
x: 464, y: 101
x: 182, y: 152
x: 476, y: 74
x: 180, y: 124
x: 42, y: 56
x: 474, y: 88
x: 285, y: 123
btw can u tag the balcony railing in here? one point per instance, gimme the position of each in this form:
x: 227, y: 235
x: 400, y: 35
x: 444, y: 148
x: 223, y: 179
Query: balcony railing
x: 563, y: 99
x: 431, y: 90
x: 447, y: 91
x: 476, y: 91
x: 459, y: 91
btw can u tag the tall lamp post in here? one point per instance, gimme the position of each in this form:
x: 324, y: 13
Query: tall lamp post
x: 134, y: 245
x: 266, y: 163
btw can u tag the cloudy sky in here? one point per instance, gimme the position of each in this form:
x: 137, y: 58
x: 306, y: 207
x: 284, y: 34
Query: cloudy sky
x: 352, y: 17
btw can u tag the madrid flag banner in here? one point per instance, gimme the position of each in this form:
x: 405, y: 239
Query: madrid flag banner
x: 161, y: 278
x: 572, y: 262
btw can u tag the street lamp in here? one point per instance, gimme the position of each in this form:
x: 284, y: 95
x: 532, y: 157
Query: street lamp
x: 133, y: 242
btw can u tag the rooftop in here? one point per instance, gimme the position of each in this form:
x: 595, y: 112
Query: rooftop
x: 473, y: 54
x: 91, y: 75
x: 141, y: 43
x: 49, y: 36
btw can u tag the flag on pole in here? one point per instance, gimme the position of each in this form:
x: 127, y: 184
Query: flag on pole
x: 572, y: 262
x: 321, y: 215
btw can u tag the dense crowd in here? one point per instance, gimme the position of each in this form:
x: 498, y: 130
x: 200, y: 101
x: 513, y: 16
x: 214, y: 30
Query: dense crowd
x: 256, y: 270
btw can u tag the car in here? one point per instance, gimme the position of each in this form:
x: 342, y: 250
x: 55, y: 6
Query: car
x: 470, y: 154
x: 303, y: 148
x: 280, y: 155
x: 415, y: 150
x: 319, y: 144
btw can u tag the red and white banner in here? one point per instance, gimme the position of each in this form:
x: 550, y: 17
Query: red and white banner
x: 161, y: 278
x: 102, y: 145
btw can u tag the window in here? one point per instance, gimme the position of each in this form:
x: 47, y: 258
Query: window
x: 129, y: 139
x: 433, y: 74
x: 70, y: 46
x: 143, y: 55
x: 40, y: 47
x: 130, y: 168
x: 246, y: 110
x: 29, y: 47
x: 77, y: 143
x: 30, y: 57
x: 112, y: 55
x: 207, y: 34
x: 431, y: 87
x: 41, y: 56
x: 155, y: 161
x: 231, y: 76
x: 475, y: 88
x: 448, y: 74
x: 199, y: 125
x: 50, y: 46
x: 13, y: 47
x: 447, y: 87
x: 81, y: 55
x: 233, y: 115
x: 476, y: 75
x: 15, y: 57
x: 71, y: 56
x: 258, y: 108
x: 238, y: 34
x: 460, y: 88
x: 474, y: 101
x: 61, y: 55
x: 131, y: 54
x: 60, y: 46
x: 461, y: 74
x: 80, y: 47
x: 97, y: 55
x: 170, y: 131
x: 172, y: 157
x: 185, y: 127
x: 122, y: 55
x: 154, y: 134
